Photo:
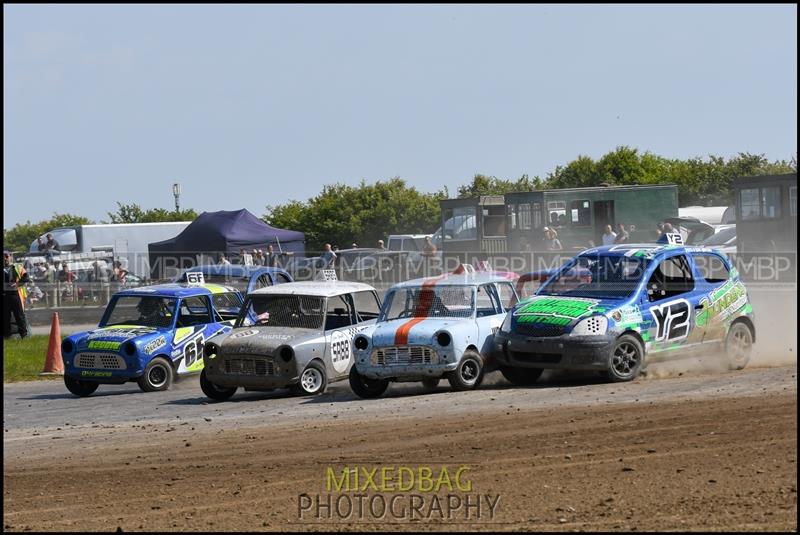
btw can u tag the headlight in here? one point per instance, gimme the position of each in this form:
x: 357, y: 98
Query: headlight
x: 67, y: 346
x: 210, y: 350
x: 361, y: 342
x: 129, y: 348
x: 443, y: 339
x: 591, y: 326
x: 506, y: 326
x: 286, y: 353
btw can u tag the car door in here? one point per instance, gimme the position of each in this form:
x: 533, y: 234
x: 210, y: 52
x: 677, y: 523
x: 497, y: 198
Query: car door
x: 669, y: 306
x: 488, y: 315
x: 721, y: 294
x: 340, y: 319
x: 193, y: 327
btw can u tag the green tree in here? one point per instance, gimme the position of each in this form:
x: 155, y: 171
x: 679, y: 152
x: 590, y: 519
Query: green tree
x: 341, y: 214
x: 21, y: 235
x: 133, y: 213
x: 490, y: 185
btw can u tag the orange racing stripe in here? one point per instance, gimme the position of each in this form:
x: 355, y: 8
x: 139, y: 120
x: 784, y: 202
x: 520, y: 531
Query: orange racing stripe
x: 420, y: 312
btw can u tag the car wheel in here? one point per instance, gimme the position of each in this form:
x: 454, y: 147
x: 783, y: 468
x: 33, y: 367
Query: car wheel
x: 312, y: 381
x: 626, y: 361
x: 739, y: 346
x: 158, y: 376
x: 214, y: 391
x: 468, y: 374
x: 521, y: 376
x: 367, y: 388
x: 80, y: 388
x: 431, y: 383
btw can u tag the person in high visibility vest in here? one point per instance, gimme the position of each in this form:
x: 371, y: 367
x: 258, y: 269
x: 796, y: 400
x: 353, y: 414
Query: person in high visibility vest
x: 14, y: 279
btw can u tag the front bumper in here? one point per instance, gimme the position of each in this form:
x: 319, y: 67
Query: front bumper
x: 400, y: 365
x: 103, y: 368
x: 555, y: 352
x: 254, y: 372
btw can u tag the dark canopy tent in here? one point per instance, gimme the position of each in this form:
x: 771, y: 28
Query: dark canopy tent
x: 213, y: 233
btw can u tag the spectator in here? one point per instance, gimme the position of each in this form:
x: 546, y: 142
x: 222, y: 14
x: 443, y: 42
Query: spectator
x: 354, y: 246
x: 52, y: 244
x: 100, y: 271
x: 270, y: 259
x: 381, y: 246
x: 245, y: 258
x: 14, y: 294
x: 39, y: 272
x: 553, y: 219
x: 622, y: 234
x: 41, y: 246
x: 609, y: 236
x: 429, y: 249
x: 562, y: 220
x: 551, y: 243
x: 665, y: 231
x: 119, y: 272
x: 328, y: 257
x: 258, y: 257
x: 223, y: 260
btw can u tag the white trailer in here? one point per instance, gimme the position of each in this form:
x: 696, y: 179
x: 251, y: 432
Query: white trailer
x: 126, y: 242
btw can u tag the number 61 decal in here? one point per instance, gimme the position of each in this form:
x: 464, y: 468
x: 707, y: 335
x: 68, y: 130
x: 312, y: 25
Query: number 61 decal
x: 672, y: 320
x: 192, y: 349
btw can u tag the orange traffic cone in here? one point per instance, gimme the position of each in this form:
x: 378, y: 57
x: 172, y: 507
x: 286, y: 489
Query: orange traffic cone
x: 54, y: 364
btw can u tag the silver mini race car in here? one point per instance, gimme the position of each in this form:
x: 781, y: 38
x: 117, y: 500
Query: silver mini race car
x: 301, y: 338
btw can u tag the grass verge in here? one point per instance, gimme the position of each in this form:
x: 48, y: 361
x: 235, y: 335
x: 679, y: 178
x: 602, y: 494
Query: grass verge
x: 23, y: 359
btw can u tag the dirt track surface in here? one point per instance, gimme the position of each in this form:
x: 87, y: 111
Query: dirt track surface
x: 697, y: 452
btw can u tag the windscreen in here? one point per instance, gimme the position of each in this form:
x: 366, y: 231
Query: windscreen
x: 599, y: 277
x: 146, y: 310
x: 721, y: 237
x: 298, y: 311
x: 435, y: 301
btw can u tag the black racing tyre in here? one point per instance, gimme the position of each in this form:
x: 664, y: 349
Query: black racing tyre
x: 313, y: 380
x: 80, y: 388
x: 367, y: 388
x: 521, y: 376
x: 469, y: 373
x: 431, y: 383
x: 214, y: 391
x: 158, y: 375
x: 739, y: 345
x: 627, y: 358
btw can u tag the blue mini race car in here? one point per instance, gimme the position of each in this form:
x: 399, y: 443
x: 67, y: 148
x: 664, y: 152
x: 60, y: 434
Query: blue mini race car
x: 243, y: 278
x: 617, y: 308
x: 149, y: 334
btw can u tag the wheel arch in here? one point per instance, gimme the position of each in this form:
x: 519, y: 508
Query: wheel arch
x: 748, y: 322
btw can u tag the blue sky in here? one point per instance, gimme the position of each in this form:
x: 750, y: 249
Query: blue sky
x: 252, y: 105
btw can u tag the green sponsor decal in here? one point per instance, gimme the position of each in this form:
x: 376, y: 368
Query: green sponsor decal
x: 722, y: 302
x: 106, y: 346
x: 89, y: 373
x: 555, y: 310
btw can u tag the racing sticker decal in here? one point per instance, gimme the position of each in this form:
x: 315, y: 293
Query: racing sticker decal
x: 113, y: 332
x: 245, y: 334
x: 155, y: 345
x: 556, y: 310
x: 342, y: 348
x: 340, y: 351
x: 627, y: 316
x: 104, y: 345
x: 672, y: 320
x: 722, y: 302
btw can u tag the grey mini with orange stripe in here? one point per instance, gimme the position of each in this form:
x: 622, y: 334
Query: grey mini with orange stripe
x: 429, y: 329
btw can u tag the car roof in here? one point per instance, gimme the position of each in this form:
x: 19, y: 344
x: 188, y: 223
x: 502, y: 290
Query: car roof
x: 460, y: 279
x: 314, y: 288
x: 650, y: 251
x: 177, y: 290
x: 233, y: 270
